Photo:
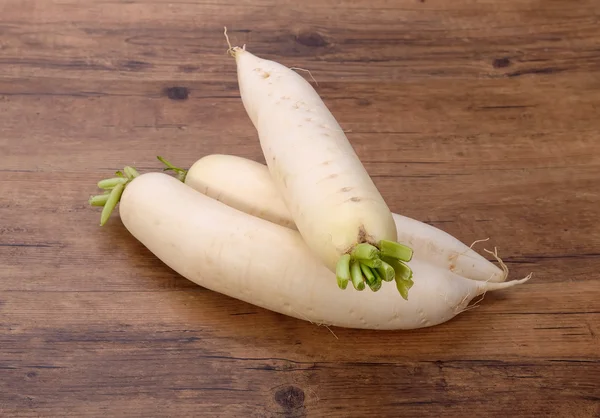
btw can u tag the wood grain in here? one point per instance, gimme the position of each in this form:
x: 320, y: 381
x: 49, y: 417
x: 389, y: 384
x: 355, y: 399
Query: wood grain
x: 479, y: 117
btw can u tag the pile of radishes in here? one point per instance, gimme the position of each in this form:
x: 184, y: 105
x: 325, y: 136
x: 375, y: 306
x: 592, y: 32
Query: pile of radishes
x: 290, y: 236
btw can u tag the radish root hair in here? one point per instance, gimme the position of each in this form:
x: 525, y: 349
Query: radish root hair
x: 232, y: 49
x: 465, y: 253
x: 478, y: 241
x: 503, y: 266
x: 317, y: 324
x: 474, y: 305
x: 308, y: 71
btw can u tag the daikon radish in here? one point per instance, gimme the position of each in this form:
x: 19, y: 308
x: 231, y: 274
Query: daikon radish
x: 333, y: 201
x: 246, y: 185
x: 269, y: 265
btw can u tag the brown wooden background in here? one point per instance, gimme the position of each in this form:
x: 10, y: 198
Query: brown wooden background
x: 480, y: 117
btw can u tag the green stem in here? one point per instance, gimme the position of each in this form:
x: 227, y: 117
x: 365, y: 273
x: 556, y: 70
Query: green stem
x: 99, y: 200
x: 342, y: 271
x: 111, y: 183
x: 365, y: 251
x: 113, y: 199
x: 403, y: 276
x: 131, y: 172
x: 374, y: 263
x: 403, y: 286
x: 395, y: 250
x: 357, y: 278
x: 377, y: 283
x: 386, y: 272
x: 114, y: 187
x: 113, y: 190
x: 181, y: 173
x: 369, y: 277
x: 401, y: 270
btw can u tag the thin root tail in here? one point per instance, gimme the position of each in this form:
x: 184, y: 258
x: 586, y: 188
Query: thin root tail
x: 232, y: 50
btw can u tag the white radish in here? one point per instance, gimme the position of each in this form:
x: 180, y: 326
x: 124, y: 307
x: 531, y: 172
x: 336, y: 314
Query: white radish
x: 240, y: 183
x: 246, y: 185
x: 268, y: 265
x: 332, y: 199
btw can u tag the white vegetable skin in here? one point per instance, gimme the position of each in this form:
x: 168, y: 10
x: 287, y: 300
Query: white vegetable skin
x: 331, y: 197
x: 246, y: 185
x: 241, y: 184
x: 268, y: 265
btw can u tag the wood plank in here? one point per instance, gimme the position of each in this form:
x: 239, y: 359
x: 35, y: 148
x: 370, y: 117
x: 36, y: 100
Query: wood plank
x: 233, y: 386
x: 399, y: 40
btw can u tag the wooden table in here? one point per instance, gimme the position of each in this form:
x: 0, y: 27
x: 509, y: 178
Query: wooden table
x: 478, y: 117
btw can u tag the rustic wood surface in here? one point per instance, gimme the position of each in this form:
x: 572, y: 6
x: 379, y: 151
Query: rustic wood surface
x: 479, y: 117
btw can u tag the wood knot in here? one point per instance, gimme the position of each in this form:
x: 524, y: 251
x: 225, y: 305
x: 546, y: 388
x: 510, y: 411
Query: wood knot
x: 311, y: 39
x: 290, y: 397
x: 501, y: 62
x: 177, y: 93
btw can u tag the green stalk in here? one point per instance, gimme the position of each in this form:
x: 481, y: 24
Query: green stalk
x: 113, y: 199
x: 369, y: 277
x: 376, y: 285
x: 403, y: 286
x: 113, y: 190
x: 99, y: 200
x: 131, y: 172
x: 342, y: 271
x: 114, y: 187
x: 374, y: 263
x: 357, y: 278
x: 181, y: 173
x: 401, y: 270
x: 395, y: 250
x: 111, y: 183
x: 386, y: 272
x: 403, y: 276
x: 365, y: 251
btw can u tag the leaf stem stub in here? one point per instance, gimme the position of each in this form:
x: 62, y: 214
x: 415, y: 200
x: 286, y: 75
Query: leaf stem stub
x: 111, y: 203
x: 368, y: 273
x: 358, y: 280
x: 181, y: 172
x: 99, y: 200
x: 108, y: 184
x: 131, y: 172
x: 342, y: 271
x: 113, y: 190
x: 365, y: 251
x: 376, y: 285
x: 114, y: 186
x: 395, y: 250
x: 367, y: 264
